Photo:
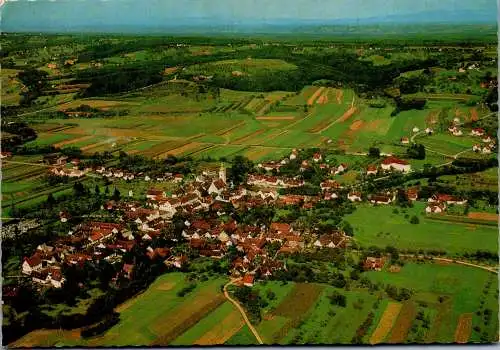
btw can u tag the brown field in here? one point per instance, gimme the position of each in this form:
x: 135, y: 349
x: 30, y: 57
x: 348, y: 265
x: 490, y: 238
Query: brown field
x: 181, y: 149
x: 166, y: 286
x: 313, y: 98
x: 464, y: 329
x: 174, y: 325
x: 348, y: 114
x: 483, y: 216
x: 403, y: 323
x: 473, y: 115
x: 323, y: 99
x: 373, y: 125
x: 94, y: 145
x: 222, y: 331
x: 71, y: 141
x: 103, y: 104
x: 256, y: 153
x: 228, y: 131
x: 339, y: 96
x: 296, y: 306
x: 285, y: 117
x: 356, y: 125
x: 248, y: 137
x: 45, y: 338
x: 386, y: 322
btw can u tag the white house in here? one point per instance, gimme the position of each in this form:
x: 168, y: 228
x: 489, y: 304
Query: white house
x: 397, y: 164
x: 416, y: 129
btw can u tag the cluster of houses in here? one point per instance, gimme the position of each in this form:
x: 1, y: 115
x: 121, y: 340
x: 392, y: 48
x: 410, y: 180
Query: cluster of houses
x: 438, y: 203
x: 140, y: 223
x: 488, y: 142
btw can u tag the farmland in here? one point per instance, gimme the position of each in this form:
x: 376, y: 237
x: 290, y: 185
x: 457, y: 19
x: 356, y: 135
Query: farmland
x: 381, y: 226
x: 170, y: 190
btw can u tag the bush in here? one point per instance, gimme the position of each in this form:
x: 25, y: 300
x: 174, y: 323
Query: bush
x: 414, y: 220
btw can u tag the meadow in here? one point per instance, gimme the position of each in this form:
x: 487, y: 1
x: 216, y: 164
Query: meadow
x: 381, y: 226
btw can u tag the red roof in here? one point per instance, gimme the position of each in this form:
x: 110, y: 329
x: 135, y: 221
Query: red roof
x: 280, y: 227
x: 394, y: 160
x: 34, y: 260
x: 248, y: 279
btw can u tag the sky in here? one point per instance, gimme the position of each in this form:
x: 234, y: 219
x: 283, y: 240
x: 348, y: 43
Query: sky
x: 64, y: 14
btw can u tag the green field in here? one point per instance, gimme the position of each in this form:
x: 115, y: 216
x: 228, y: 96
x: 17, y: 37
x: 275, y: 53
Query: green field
x: 380, y: 226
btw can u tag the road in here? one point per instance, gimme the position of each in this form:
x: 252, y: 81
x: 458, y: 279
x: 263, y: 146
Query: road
x: 240, y: 309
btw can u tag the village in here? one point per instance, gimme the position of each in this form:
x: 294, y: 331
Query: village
x: 202, y: 201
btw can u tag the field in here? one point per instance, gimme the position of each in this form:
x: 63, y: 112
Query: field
x: 143, y: 318
x: 460, y: 289
x: 382, y: 227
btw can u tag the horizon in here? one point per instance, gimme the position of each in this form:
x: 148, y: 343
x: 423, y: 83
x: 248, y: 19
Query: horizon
x: 157, y: 15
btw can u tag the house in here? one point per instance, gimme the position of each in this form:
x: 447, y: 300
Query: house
x: 281, y: 228
x: 248, y: 280
x: 477, y: 132
x: 330, y: 240
x: 487, y: 139
x: 33, y: 263
x: 455, y: 131
x: 405, y: 140
x: 217, y: 186
x: 64, y: 216
x: 415, y: 129
x: 317, y: 157
x: 429, y: 131
x: 330, y: 195
x: 397, y: 164
x: 476, y: 148
x: 329, y: 185
x: 446, y: 198
x: 486, y: 150
x: 435, y: 208
x: 294, y: 154
x: 412, y: 194
x: 381, y: 199
x: 155, y: 194
x: 340, y: 169
x: 375, y: 264
x: 354, y: 196
x: 5, y: 155
x: 178, y: 178
x: 371, y: 170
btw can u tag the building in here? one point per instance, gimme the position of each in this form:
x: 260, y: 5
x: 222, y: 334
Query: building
x: 405, y: 140
x: 435, y: 208
x: 371, y: 170
x: 354, y: 196
x: 375, y: 264
x: 477, y: 132
x: 393, y: 163
x: 248, y: 280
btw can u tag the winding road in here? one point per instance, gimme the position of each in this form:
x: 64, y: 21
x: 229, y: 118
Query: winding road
x: 240, y: 309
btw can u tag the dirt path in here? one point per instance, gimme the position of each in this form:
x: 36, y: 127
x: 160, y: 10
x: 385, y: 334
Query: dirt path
x: 490, y: 269
x: 240, y: 309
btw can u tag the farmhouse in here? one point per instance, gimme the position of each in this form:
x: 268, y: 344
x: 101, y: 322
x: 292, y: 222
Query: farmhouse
x: 154, y: 194
x: 446, y: 198
x: 396, y: 164
x: 333, y: 240
x: 33, y: 263
x: 248, y: 280
x: 340, y: 169
x: 329, y: 185
x: 487, y: 139
x: 375, y: 264
x: 381, y: 199
x: 476, y: 148
x: 412, y: 194
x: 435, y: 208
x: 317, y: 157
x: 486, y: 150
x: 217, y: 186
x: 354, y: 196
x: 371, y: 170
x: 405, y: 140
x: 477, y: 132
x: 429, y: 131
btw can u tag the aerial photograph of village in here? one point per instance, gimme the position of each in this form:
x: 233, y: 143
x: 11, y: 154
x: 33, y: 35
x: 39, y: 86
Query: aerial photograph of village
x: 249, y: 172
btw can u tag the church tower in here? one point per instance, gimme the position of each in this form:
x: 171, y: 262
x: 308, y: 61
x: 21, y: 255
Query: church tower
x: 222, y: 172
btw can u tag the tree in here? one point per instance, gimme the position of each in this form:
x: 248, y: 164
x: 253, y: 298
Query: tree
x: 416, y: 151
x: 240, y: 167
x: 106, y: 191
x: 338, y: 299
x: 50, y: 200
x: 78, y: 189
x: 348, y: 229
x: 374, y: 152
x: 414, y: 220
x: 97, y: 190
x: 116, y: 194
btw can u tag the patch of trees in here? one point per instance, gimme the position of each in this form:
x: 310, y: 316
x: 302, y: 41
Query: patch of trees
x: 338, y: 299
x: 416, y: 151
x: 240, y: 167
x: 252, y: 301
x: 101, y: 327
x: 408, y: 103
x: 35, y: 82
x: 21, y: 133
x: 400, y: 294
